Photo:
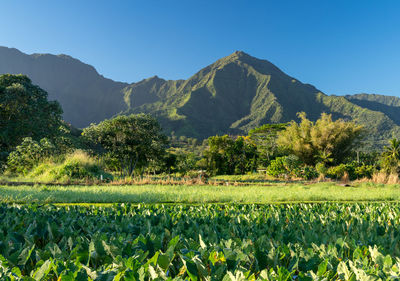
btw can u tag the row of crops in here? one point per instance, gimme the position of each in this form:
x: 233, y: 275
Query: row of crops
x: 207, y: 242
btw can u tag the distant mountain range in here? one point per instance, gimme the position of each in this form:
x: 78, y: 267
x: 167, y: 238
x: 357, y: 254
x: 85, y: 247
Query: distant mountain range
x: 84, y: 95
x: 232, y: 95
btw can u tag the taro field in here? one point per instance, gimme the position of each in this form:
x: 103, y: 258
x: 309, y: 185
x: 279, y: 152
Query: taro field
x: 327, y: 241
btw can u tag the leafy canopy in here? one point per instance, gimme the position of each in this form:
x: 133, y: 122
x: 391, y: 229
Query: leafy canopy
x: 25, y: 112
x: 227, y: 156
x: 325, y: 140
x: 264, y: 138
x: 133, y: 140
x: 29, y: 154
x: 390, y: 157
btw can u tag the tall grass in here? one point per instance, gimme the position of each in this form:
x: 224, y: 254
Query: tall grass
x: 75, y: 166
x: 384, y: 178
x: 199, y: 193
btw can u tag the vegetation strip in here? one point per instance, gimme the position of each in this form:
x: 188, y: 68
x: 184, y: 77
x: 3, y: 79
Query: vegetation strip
x: 325, y: 241
x: 199, y: 193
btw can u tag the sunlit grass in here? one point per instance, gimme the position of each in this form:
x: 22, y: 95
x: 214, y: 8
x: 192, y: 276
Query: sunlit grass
x: 199, y: 194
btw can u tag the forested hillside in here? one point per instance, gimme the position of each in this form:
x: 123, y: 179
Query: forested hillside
x: 238, y: 93
x: 388, y: 105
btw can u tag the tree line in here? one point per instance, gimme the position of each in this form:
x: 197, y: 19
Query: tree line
x: 33, y: 135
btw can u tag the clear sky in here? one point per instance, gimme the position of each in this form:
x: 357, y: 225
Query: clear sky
x: 341, y: 47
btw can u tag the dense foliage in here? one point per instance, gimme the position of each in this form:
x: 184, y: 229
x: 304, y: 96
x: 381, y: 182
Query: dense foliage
x: 131, y: 140
x: 391, y: 156
x: 25, y: 112
x: 29, y: 154
x: 264, y: 138
x: 291, y: 166
x: 207, y: 242
x: 226, y: 155
x: 322, y: 141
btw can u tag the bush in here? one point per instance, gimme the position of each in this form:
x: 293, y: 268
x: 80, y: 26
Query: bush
x: 389, y: 165
x: 365, y: 171
x: 40, y: 169
x: 227, y: 156
x: 321, y: 168
x: 306, y: 172
x: 194, y: 174
x: 337, y: 172
x: 77, y: 166
x: 28, y: 154
x: 290, y: 166
x: 354, y: 170
x: 292, y: 163
x: 277, y: 167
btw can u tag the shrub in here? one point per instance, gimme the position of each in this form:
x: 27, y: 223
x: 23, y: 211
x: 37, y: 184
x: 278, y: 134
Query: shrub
x: 306, y: 172
x: 337, y: 172
x: 77, y: 166
x: 292, y: 163
x: 321, y: 168
x: 354, y: 170
x: 40, y: 169
x: 193, y: 174
x: 277, y: 167
x: 389, y: 165
x: 390, y: 158
x: 28, y: 154
x: 227, y: 156
x: 290, y: 166
x: 364, y: 171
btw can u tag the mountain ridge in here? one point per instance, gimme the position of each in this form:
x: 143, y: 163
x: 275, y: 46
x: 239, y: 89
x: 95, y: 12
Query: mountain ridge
x: 252, y: 92
x: 77, y: 86
x: 232, y: 95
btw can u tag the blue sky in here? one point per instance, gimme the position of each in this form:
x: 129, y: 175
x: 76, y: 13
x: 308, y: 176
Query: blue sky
x: 341, y: 47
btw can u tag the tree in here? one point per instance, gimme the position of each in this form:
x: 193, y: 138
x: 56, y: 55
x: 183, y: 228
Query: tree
x: 322, y: 141
x: 264, y: 138
x: 25, y: 112
x: 133, y: 140
x: 230, y: 156
x: 391, y: 156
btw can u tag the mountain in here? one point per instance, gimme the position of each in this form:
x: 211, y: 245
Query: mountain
x: 388, y: 105
x: 240, y: 92
x: 231, y: 96
x: 84, y: 95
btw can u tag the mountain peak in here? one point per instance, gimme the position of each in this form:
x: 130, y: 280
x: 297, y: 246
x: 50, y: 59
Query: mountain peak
x: 153, y: 79
x: 238, y: 55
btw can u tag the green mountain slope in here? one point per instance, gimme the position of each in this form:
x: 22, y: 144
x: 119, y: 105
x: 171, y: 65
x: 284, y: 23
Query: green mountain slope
x: 231, y: 96
x: 84, y: 95
x: 388, y: 105
x: 238, y: 93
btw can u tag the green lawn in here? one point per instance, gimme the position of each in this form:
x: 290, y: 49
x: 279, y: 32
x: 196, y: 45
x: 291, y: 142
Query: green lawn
x: 200, y: 194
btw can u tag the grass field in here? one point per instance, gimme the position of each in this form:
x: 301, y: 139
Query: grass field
x: 200, y: 193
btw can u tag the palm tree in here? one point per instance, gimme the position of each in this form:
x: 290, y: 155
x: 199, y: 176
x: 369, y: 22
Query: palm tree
x: 391, y: 156
x: 393, y: 151
x: 324, y: 157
